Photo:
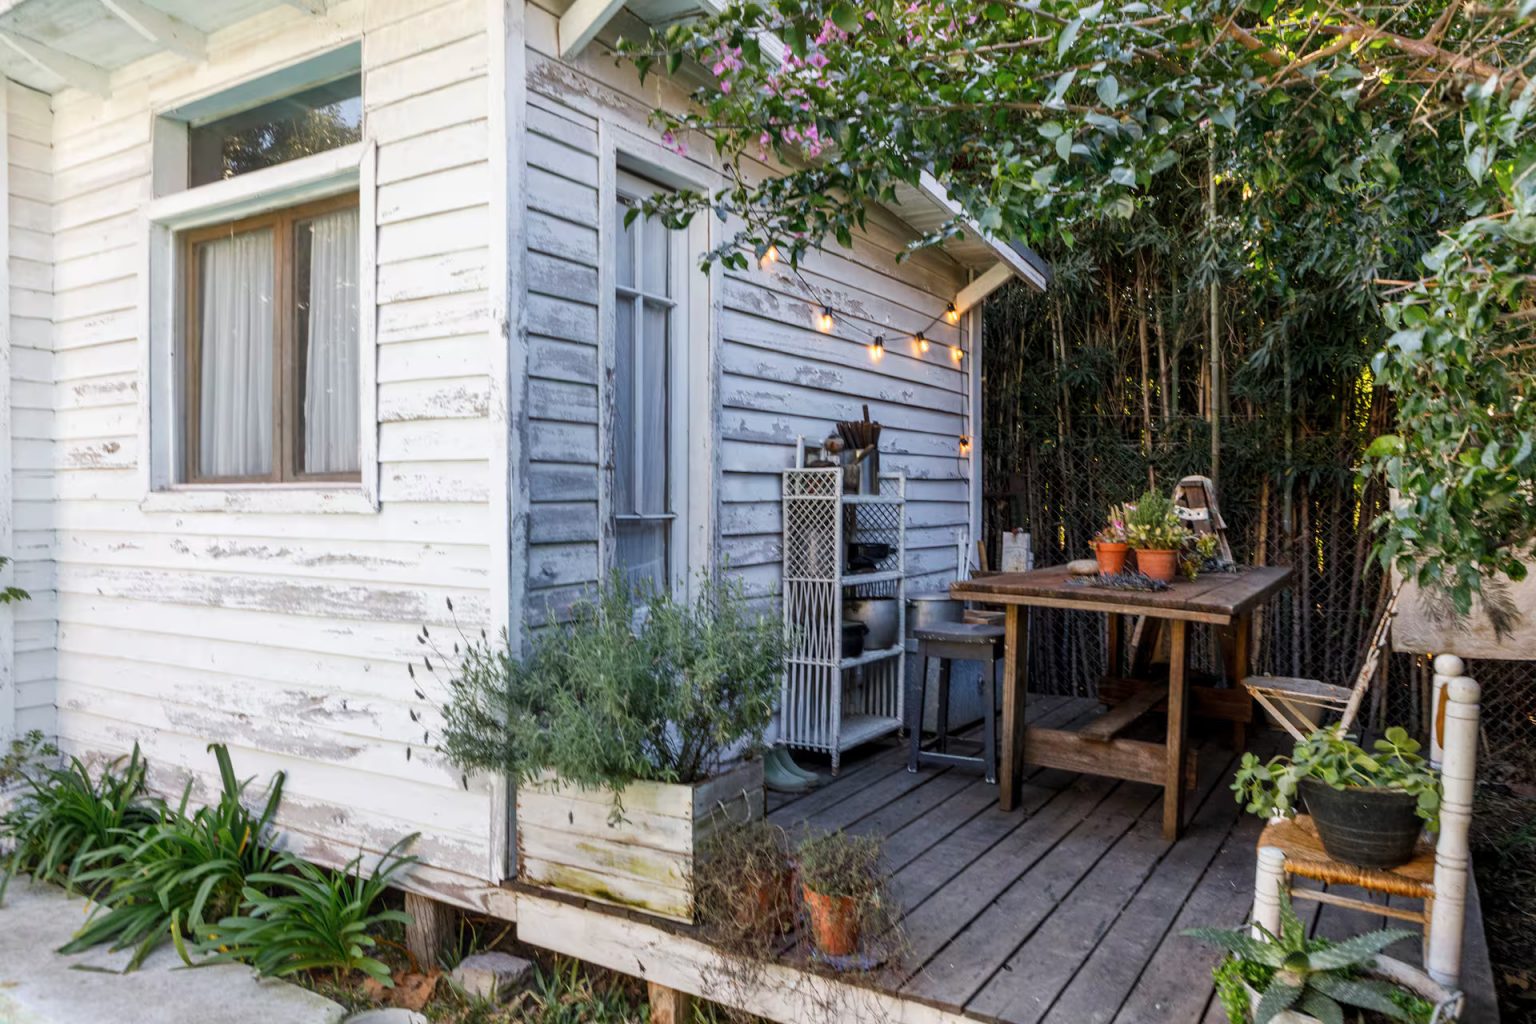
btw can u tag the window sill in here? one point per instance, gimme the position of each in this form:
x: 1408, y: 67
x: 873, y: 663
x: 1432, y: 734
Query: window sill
x: 273, y: 499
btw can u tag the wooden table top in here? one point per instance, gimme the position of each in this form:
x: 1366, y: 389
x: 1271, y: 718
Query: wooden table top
x: 1215, y: 597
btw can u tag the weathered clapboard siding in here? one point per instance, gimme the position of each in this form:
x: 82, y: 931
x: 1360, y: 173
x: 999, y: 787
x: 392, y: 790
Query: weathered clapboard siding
x: 282, y: 633
x: 778, y: 377
x: 28, y: 630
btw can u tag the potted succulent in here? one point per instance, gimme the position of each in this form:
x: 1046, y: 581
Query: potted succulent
x: 1291, y: 979
x: 1369, y: 807
x: 624, y: 731
x: 1153, y: 529
x: 841, y: 884
x: 1109, y: 545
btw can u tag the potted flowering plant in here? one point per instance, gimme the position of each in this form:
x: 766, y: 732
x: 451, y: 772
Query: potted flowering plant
x: 1109, y: 545
x: 1154, y: 530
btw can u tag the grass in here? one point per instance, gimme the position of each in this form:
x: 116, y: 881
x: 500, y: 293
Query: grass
x: 1504, y: 857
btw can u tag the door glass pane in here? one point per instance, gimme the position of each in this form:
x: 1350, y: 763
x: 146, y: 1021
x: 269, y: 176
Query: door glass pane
x: 234, y: 318
x: 318, y: 119
x: 641, y: 552
x: 326, y: 329
x: 624, y: 407
x: 653, y: 412
x: 656, y: 268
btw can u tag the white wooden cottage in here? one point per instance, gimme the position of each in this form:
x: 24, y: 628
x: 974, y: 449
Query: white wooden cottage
x: 233, y: 513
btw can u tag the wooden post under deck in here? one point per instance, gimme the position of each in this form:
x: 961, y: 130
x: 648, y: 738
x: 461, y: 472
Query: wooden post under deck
x: 668, y: 1005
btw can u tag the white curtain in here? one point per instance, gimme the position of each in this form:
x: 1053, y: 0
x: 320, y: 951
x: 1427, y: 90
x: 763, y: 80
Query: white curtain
x: 235, y: 333
x: 331, y: 417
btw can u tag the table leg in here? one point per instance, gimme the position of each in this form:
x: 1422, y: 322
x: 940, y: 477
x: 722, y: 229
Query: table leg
x: 1178, y: 721
x: 1242, y: 642
x: 1112, y: 630
x: 1015, y: 681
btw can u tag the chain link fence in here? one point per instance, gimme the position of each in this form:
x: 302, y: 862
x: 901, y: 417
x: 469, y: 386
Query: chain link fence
x: 1313, y: 519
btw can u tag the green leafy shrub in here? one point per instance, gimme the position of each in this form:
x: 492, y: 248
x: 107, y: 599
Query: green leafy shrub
x: 655, y: 689
x: 1314, y: 976
x: 565, y: 994
x: 28, y: 754
x: 1329, y: 756
x: 300, y: 917
x: 180, y: 869
x: 1152, y: 524
x: 65, y: 817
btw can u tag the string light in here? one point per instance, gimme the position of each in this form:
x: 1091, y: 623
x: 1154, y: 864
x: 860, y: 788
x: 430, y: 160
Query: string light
x: 769, y: 258
x: 824, y: 323
x: 965, y: 445
x: 955, y: 353
x: 877, y: 347
x: 951, y: 313
x: 922, y: 342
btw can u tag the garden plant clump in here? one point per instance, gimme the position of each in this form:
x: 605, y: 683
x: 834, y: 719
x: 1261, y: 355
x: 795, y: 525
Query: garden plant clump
x: 637, y: 686
x: 1269, y: 789
x: 210, y: 880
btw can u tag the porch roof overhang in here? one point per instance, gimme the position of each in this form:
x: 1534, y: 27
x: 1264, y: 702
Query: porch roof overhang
x: 924, y: 208
x: 51, y: 45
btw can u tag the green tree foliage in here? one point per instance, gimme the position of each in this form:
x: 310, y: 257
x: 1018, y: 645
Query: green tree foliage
x: 1300, y: 157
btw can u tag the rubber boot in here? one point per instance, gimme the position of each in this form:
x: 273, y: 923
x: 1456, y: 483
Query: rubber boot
x: 787, y: 762
x: 778, y: 778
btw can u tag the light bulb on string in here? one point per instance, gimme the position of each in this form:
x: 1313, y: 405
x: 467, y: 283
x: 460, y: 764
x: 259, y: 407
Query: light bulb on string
x: 955, y: 353
x: 877, y: 347
x: 951, y: 314
x: 965, y: 445
x: 824, y: 322
x: 769, y: 258
x: 922, y: 342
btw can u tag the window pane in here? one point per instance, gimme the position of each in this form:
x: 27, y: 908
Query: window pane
x: 235, y: 296
x: 656, y: 268
x: 626, y: 268
x: 325, y: 117
x: 652, y: 415
x: 327, y: 322
x: 641, y: 551
x: 624, y: 407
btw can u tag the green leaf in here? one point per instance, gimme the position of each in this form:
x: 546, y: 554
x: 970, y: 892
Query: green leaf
x: 1067, y: 37
x: 1276, y: 999
x: 845, y: 17
x: 1358, y: 949
x: 1108, y: 90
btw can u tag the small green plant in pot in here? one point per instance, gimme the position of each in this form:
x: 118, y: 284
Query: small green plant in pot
x: 1153, y: 529
x: 1109, y: 544
x: 841, y: 883
x: 1296, y: 979
x: 1369, y: 806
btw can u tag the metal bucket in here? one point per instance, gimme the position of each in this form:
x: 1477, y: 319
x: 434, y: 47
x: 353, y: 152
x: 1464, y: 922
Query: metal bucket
x: 932, y: 608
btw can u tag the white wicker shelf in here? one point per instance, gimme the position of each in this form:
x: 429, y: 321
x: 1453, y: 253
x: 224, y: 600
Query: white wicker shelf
x: 831, y: 703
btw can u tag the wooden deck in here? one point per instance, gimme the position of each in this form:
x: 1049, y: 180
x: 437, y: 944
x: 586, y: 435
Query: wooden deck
x: 1069, y: 909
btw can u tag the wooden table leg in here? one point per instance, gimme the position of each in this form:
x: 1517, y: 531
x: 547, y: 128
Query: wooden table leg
x: 1112, y: 637
x: 1178, y: 722
x: 1242, y: 641
x: 1015, y: 681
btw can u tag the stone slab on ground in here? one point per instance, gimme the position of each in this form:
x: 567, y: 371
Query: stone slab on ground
x: 40, y: 986
x: 393, y: 1015
x: 491, y: 975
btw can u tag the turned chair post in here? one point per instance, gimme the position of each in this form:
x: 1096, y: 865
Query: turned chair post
x: 1442, y: 956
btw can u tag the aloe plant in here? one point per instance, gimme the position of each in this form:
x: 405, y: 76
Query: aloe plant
x: 1313, y: 976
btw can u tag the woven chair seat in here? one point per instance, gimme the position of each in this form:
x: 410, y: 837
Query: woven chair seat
x: 1305, y: 856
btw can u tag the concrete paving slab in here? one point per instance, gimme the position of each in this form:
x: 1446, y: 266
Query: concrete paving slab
x: 40, y: 986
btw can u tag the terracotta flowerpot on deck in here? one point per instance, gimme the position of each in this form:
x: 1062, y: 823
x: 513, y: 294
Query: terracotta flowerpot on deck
x: 769, y: 901
x: 1158, y: 565
x: 834, y: 923
x: 1111, y: 557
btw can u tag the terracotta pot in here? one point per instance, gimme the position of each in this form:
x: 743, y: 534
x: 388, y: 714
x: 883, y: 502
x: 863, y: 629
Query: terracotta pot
x: 1158, y: 565
x: 834, y: 923
x: 768, y: 900
x: 1111, y: 557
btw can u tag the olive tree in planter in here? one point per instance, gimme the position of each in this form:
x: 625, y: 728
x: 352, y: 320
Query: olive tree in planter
x: 618, y: 729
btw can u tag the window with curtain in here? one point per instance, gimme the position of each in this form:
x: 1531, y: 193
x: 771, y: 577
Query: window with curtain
x: 645, y: 313
x: 271, y: 374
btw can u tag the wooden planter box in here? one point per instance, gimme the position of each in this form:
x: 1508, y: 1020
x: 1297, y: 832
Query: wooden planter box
x: 566, y: 841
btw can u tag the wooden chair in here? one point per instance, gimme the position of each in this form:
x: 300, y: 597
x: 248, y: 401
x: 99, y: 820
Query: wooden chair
x: 1194, y: 499
x: 1289, y: 698
x: 1436, y: 875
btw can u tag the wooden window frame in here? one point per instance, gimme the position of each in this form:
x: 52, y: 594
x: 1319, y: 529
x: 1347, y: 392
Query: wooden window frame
x: 287, y: 380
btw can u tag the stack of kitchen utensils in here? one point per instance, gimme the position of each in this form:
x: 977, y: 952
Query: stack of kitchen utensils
x: 860, y: 455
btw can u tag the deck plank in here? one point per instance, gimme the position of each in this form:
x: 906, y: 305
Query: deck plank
x: 1025, y: 988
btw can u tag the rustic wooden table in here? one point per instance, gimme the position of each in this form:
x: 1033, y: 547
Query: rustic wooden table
x: 1221, y: 599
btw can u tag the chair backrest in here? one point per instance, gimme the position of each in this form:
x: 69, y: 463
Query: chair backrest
x: 1372, y: 661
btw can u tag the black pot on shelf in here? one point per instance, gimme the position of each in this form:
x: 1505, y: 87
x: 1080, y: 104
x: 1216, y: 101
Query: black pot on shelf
x: 1366, y: 826
x: 853, y: 638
